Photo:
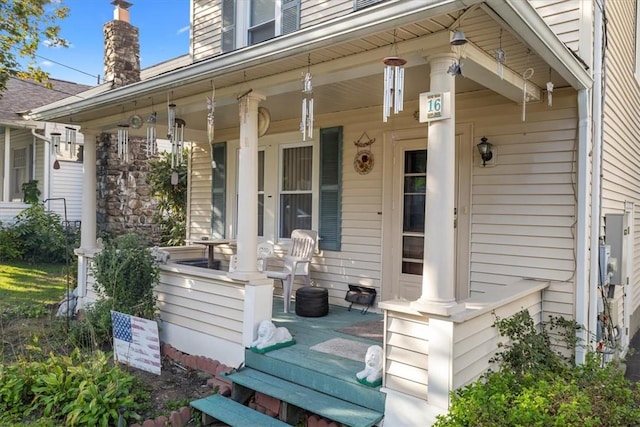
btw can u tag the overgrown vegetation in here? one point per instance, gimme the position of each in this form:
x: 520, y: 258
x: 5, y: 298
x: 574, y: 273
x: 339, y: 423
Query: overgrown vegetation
x: 536, y: 384
x: 69, y: 390
x: 37, y: 236
x: 125, y: 273
x: 172, y: 198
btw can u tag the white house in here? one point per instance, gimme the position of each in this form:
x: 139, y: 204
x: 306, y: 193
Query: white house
x: 406, y: 207
x: 28, y: 153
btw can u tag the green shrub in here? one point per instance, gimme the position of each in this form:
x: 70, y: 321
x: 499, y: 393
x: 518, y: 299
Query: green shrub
x: 75, y: 390
x: 30, y: 191
x: 537, y: 386
x: 125, y: 273
x: 11, y: 248
x: 41, y: 235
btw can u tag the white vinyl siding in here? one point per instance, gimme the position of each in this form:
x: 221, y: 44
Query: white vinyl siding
x: 563, y: 16
x: 523, y: 208
x: 317, y: 11
x: 206, y: 36
x: 621, y: 128
x: 66, y: 183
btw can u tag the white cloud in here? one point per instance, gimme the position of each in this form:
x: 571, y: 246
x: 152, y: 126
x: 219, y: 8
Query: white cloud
x: 46, y: 64
x: 183, y: 29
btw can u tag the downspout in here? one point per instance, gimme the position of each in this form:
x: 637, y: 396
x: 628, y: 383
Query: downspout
x: 596, y: 169
x: 47, y: 169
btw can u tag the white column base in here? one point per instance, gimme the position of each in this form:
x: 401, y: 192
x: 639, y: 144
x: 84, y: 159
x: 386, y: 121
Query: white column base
x: 403, y: 410
x: 258, y: 306
x: 448, y: 308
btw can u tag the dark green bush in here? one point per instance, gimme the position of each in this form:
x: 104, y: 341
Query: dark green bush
x: 11, y: 248
x: 537, y: 386
x: 125, y: 273
x: 41, y: 235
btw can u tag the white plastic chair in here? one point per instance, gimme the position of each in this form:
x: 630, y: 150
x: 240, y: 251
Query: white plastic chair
x: 296, y: 262
x: 265, y: 251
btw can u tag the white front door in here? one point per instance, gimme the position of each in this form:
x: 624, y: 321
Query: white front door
x: 405, y: 207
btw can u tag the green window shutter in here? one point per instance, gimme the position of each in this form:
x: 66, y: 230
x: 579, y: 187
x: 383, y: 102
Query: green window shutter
x: 330, y: 221
x: 219, y: 190
x: 290, y: 16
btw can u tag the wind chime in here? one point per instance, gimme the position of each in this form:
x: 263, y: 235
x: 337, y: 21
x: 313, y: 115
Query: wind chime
x: 176, y: 136
x: 55, y: 148
x: 393, y: 83
x: 306, y: 124
x: 211, y: 108
x: 123, y: 142
x: 550, y: 90
x: 152, y: 140
x: 501, y: 58
x: 70, y: 138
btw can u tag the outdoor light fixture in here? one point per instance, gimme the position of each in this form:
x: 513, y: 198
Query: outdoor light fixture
x: 484, y: 148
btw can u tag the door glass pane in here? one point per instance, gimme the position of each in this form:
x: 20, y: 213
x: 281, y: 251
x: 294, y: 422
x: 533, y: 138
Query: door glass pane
x: 295, y: 213
x: 260, y: 193
x: 413, y: 213
x: 297, y: 165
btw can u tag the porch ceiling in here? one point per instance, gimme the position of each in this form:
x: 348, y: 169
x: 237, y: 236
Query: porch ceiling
x: 347, y: 75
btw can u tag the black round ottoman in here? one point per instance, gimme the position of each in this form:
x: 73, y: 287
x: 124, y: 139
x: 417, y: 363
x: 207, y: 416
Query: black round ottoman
x: 312, y: 301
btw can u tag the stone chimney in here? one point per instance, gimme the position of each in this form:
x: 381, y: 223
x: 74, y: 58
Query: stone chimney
x: 121, y: 47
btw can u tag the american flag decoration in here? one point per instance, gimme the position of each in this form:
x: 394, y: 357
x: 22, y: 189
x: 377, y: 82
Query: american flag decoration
x: 136, y: 342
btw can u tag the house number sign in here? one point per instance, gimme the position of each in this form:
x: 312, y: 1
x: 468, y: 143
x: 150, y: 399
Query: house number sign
x: 434, y: 106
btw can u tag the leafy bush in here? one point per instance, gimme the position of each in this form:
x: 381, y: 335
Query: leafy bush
x: 172, y: 199
x: 30, y: 191
x: 11, y: 248
x: 67, y: 390
x: 41, y: 235
x: 125, y: 273
x: 536, y: 385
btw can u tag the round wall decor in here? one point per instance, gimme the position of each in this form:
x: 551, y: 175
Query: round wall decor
x: 135, y: 121
x: 363, y: 162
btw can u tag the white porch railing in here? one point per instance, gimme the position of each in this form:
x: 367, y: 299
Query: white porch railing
x: 426, y: 357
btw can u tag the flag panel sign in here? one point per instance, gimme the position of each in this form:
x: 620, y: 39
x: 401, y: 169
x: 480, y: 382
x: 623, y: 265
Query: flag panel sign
x: 136, y: 342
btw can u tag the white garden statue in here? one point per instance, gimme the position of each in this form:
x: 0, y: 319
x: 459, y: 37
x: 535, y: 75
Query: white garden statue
x: 372, y: 372
x: 269, y: 335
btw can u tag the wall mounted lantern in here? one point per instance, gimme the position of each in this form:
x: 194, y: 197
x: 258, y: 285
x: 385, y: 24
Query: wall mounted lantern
x: 484, y: 148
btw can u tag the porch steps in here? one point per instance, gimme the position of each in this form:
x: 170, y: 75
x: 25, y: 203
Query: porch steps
x: 306, y: 398
x: 233, y: 413
x: 331, y: 375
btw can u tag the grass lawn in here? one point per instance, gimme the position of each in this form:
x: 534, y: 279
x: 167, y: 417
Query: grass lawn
x: 26, y: 284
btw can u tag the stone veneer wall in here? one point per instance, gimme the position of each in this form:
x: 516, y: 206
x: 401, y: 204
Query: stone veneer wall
x: 124, y: 204
x: 121, y: 53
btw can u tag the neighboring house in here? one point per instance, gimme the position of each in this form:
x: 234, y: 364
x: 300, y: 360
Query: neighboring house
x: 444, y: 237
x: 27, y: 153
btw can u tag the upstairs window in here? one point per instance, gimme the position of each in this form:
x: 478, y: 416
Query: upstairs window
x: 248, y: 22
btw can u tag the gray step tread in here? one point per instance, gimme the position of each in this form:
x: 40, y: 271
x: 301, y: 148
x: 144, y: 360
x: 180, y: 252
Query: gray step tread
x: 319, y: 403
x: 233, y: 413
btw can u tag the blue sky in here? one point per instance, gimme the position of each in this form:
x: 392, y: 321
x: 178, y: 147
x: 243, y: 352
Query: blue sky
x: 164, y: 34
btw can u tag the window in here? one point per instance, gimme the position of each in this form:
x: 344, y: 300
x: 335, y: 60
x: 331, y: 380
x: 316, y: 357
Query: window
x: 413, y: 213
x: 20, y: 173
x: 218, y: 190
x: 360, y: 4
x: 248, y: 22
x: 299, y: 186
x: 296, y: 189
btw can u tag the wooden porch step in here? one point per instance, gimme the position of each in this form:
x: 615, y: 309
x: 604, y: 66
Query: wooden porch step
x: 322, y: 372
x: 321, y: 404
x: 233, y: 413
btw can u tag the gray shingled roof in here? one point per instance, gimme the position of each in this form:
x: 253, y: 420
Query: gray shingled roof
x: 22, y: 95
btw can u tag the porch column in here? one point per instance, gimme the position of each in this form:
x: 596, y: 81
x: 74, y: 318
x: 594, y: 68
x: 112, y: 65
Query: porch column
x: 88, y: 224
x: 438, y: 287
x: 7, y: 165
x: 248, y: 184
